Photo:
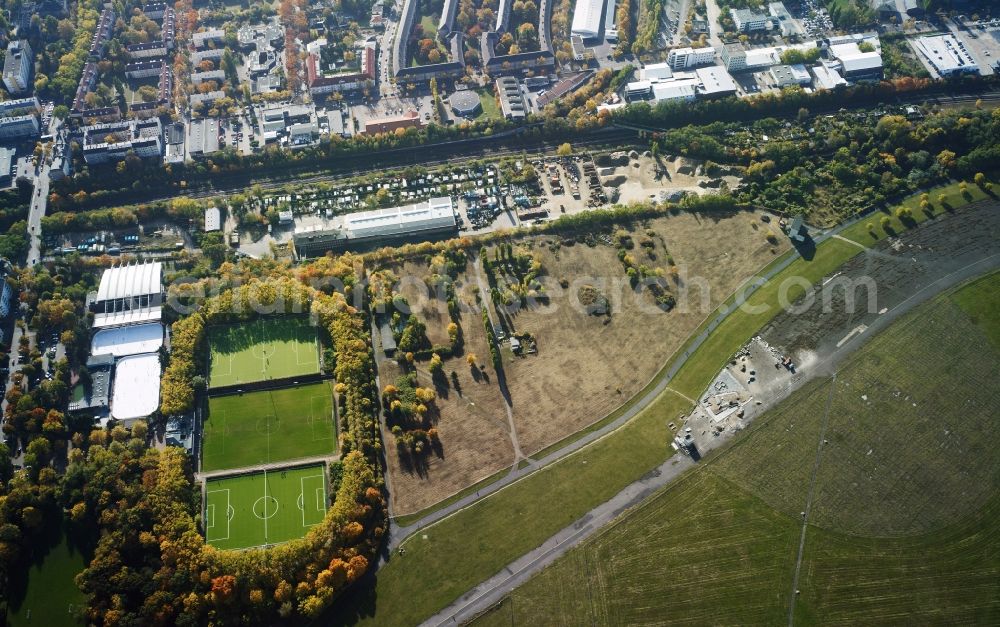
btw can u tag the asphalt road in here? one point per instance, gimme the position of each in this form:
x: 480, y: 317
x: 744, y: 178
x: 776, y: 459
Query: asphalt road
x: 712, y: 15
x: 39, y: 200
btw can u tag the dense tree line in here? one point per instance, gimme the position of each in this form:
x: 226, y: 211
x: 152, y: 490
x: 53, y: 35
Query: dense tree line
x: 151, y: 564
x: 34, y: 421
x: 650, y: 12
x: 850, y: 14
x: 856, y: 162
x: 135, y: 180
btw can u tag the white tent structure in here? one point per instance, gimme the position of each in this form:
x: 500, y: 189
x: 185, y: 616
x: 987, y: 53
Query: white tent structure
x: 136, y: 389
x: 129, y: 294
x: 130, y: 340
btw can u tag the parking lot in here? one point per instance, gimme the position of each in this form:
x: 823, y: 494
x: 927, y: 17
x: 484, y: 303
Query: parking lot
x: 812, y: 18
x: 423, y: 104
x: 981, y: 39
x: 237, y: 133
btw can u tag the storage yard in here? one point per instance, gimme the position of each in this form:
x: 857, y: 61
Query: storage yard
x: 484, y: 198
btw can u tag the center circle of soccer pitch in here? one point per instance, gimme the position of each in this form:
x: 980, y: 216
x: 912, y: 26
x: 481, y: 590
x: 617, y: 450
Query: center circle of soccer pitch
x: 263, y: 353
x: 268, y: 425
x: 265, y: 507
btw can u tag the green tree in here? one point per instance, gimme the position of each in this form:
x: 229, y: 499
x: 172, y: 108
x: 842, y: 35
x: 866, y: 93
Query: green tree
x: 414, y: 336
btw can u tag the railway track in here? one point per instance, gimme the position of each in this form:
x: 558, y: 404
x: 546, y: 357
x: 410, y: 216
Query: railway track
x: 622, y: 134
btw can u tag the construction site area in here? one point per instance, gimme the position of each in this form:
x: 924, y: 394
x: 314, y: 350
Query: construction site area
x: 826, y: 322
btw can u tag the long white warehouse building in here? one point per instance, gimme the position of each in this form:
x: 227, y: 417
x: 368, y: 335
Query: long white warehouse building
x: 587, y: 18
x: 422, y: 216
x: 423, y: 220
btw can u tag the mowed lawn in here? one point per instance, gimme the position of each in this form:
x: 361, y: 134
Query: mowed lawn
x: 51, y: 596
x: 265, y: 427
x: 488, y: 100
x: 261, y: 350
x: 689, y: 556
x: 905, y: 520
x: 264, y: 508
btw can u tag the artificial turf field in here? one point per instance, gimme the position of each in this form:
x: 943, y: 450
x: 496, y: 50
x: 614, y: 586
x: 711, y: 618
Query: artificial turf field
x: 905, y: 519
x: 265, y: 427
x: 249, y: 510
x: 262, y: 349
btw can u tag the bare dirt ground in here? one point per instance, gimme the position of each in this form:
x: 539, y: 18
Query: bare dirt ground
x: 472, y: 422
x: 642, y: 179
x: 586, y: 367
x: 884, y: 276
x: 647, y: 179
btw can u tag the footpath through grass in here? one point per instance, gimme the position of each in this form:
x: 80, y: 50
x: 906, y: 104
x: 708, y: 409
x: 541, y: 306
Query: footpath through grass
x: 270, y: 426
x: 500, y: 528
x: 731, y: 526
x: 687, y: 557
x: 249, y: 510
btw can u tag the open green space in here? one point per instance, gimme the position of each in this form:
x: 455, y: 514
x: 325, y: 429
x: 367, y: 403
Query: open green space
x: 261, y: 350
x: 51, y: 596
x: 491, y: 110
x: 409, y: 590
x: 941, y: 199
x: 270, y: 426
x: 264, y: 507
x: 660, y: 555
x: 981, y: 301
x: 897, y: 527
x: 429, y: 23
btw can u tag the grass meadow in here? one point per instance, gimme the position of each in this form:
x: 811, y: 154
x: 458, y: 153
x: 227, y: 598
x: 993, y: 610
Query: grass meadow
x: 904, y: 521
x: 271, y: 426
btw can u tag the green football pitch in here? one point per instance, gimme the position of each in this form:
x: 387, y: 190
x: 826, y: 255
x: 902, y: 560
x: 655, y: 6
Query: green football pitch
x: 263, y: 349
x: 264, y: 427
x: 264, y: 508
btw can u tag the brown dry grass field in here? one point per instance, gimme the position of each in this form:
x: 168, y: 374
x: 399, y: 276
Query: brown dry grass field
x: 472, y: 424
x: 584, y: 368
